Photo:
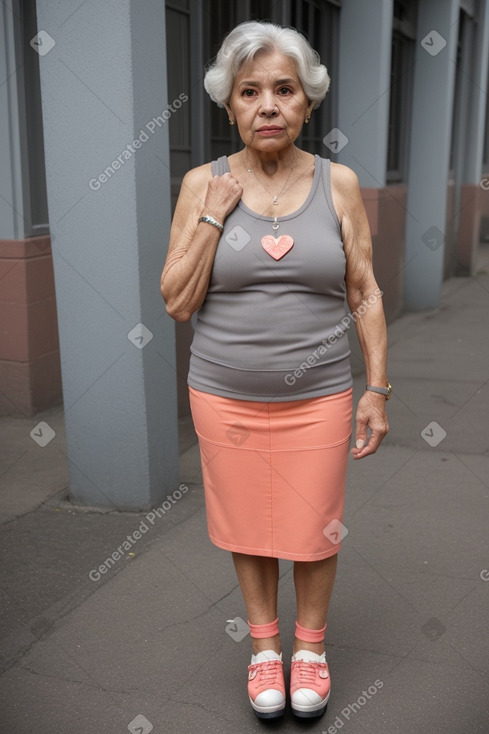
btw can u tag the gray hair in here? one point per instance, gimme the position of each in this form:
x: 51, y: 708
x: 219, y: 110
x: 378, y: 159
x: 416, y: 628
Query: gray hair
x: 246, y: 40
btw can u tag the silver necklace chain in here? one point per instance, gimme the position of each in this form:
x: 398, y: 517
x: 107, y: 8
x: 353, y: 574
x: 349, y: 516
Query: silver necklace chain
x: 276, y: 197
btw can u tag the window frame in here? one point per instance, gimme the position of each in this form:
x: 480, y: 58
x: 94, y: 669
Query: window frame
x: 402, y: 73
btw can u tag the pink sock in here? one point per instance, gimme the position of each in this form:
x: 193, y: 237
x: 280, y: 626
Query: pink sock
x: 307, y: 635
x: 264, y: 630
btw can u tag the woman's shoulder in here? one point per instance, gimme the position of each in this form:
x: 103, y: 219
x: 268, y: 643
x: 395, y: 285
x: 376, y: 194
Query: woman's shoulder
x: 194, y: 184
x: 344, y: 178
x: 199, y: 175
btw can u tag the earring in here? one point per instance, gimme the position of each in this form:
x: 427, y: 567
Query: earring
x: 231, y: 122
x: 307, y: 119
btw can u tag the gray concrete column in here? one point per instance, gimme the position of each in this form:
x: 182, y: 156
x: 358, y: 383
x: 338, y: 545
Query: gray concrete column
x: 429, y: 155
x: 103, y: 84
x: 363, y: 81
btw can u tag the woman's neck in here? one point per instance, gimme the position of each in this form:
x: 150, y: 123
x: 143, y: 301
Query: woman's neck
x: 270, y: 163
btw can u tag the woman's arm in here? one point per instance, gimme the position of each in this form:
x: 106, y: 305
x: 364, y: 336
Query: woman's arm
x: 187, y: 271
x: 365, y: 303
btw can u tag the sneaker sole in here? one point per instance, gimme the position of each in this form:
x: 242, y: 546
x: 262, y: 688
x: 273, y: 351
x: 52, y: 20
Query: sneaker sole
x: 268, y: 712
x: 309, y: 714
x: 310, y: 711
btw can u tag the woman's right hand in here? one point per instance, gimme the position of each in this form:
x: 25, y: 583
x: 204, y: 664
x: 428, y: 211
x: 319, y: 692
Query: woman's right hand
x: 223, y: 193
x: 190, y: 258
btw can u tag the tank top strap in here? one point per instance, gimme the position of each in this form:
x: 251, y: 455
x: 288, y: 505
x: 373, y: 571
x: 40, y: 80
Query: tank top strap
x: 326, y: 168
x: 220, y: 166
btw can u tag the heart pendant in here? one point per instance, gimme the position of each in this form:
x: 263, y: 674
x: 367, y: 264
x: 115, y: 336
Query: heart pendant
x: 277, y: 247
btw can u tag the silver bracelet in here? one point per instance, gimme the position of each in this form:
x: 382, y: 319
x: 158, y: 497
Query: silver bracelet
x: 211, y: 220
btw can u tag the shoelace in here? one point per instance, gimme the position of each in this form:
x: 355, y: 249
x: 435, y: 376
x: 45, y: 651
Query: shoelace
x: 267, y: 672
x: 306, y: 672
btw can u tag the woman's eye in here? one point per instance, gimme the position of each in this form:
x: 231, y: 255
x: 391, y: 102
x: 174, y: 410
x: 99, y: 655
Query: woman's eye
x: 284, y: 90
x: 248, y: 92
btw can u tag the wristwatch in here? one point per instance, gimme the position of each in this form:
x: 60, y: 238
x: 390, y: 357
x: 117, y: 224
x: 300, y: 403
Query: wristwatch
x: 382, y: 390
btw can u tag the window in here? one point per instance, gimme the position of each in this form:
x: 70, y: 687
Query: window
x: 221, y: 18
x: 485, y: 158
x: 402, y: 64
x: 461, y: 98
x: 30, y: 121
x: 318, y: 22
x: 178, y: 80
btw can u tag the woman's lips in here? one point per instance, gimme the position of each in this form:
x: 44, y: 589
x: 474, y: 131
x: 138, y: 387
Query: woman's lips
x: 272, y: 130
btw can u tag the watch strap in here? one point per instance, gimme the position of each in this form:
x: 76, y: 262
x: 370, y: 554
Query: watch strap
x: 382, y: 390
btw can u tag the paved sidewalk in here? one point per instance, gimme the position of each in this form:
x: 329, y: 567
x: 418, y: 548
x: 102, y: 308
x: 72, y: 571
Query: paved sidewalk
x: 146, y: 646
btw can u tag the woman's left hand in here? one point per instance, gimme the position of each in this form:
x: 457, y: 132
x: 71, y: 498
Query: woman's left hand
x: 370, y: 413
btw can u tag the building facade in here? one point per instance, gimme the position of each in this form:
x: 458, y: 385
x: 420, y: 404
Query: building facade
x: 407, y: 110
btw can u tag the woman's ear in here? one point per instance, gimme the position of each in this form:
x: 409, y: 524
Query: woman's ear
x: 232, y: 119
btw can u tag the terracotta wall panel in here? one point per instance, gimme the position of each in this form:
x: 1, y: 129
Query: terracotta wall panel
x: 386, y: 212
x: 43, y: 330
x: 13, y: 284
x: 39, y: 277
x: 14, y: 332
x: 449, y: 263
x: 30, y: 373
x: 484, y: 213
x: 45, y: 382
x: 389, y: 250
x: 469, y: 228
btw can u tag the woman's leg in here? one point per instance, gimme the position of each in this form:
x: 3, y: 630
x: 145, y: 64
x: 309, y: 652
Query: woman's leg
x: 258, y: 579
x: 314, y: 581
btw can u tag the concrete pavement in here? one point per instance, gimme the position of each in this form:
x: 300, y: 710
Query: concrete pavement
x: 145, y: 645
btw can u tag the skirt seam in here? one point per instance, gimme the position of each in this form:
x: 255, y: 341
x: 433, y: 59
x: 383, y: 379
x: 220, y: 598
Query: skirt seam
x: 319, y: 447
x: 270, y: 478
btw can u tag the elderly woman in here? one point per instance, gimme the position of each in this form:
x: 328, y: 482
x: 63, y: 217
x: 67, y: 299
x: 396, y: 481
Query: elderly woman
x: 270, y: 246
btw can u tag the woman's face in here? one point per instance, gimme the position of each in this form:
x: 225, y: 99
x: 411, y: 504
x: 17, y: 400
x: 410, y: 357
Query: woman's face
x: 268, y: 102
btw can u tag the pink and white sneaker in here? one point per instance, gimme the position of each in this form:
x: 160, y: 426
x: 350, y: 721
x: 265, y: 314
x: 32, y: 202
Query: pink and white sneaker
x: 266, y: 686
x: 310, y: 684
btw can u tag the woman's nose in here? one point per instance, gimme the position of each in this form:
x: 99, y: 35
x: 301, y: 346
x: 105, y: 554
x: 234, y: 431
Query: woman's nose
x: 268, y: 106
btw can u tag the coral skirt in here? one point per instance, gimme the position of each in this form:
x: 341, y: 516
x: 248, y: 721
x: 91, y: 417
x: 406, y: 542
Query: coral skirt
x: 274, y: 473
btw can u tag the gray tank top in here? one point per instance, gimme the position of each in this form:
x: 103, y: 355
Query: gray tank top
x: 275, y: 330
